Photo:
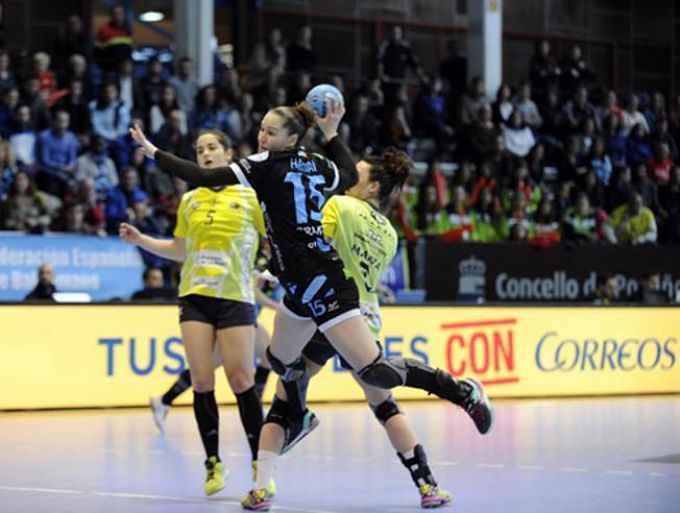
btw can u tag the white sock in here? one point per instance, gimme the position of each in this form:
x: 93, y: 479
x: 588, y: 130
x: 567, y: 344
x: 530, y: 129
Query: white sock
x: 266, y: 462
x: 408, y: 454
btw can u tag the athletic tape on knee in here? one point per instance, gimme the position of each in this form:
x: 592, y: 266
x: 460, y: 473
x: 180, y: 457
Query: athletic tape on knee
x: 383, y: 374
x: 386, y: 409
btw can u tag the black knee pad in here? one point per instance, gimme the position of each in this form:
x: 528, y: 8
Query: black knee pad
x: 290, y: 372
x: 278, y: 413
x: 386, y: 410
x: 383, y: 374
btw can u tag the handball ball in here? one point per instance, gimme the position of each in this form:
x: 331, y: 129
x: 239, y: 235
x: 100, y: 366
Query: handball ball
x: 317, y: 94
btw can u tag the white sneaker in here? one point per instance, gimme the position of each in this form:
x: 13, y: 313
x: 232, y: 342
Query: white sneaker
x: 159, y: 411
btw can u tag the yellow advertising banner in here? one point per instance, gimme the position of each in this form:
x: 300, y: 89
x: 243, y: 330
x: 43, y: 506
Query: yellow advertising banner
x: 80, y: 356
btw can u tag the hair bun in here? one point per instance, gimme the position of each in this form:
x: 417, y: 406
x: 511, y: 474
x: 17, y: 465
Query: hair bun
x: 306, y: 113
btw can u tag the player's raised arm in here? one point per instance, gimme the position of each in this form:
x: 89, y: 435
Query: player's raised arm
x: 335, y: 149
x: 184, y: 169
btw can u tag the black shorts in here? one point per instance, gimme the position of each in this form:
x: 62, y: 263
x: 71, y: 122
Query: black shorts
x: 320, y: 350
x: 326, y: 299
x: 220, y: 313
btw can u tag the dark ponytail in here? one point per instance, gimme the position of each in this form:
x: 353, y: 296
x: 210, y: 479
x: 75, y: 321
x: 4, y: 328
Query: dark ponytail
x: 390, y: 170
x: 298, y: 119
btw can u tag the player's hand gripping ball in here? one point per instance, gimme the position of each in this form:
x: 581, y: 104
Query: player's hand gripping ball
x: 317, y: 94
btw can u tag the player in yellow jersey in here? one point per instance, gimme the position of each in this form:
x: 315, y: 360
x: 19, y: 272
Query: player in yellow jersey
x: 367, y: 242
x: 216, y: 236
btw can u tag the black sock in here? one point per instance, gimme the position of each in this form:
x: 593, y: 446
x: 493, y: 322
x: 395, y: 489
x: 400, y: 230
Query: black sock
x: 250, y: 409
x: 418, y: 468
x: 180, y: 386
x: 261, y: 375
x: 208, y: 420
x: 435, y: 381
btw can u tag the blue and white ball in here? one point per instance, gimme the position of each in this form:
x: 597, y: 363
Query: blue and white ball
x: 317, y: 94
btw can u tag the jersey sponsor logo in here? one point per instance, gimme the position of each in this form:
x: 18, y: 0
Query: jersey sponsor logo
x: 312, y: 231
x: 302, y: 165
x: 208, y: 258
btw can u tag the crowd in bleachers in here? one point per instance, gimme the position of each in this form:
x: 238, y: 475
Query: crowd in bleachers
x: 558, y: 157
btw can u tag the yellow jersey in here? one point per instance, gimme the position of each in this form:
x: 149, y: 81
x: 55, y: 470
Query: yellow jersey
x: 221, y: 228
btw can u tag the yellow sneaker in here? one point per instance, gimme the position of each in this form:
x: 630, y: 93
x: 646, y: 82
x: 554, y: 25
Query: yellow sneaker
x: 215, y: 477
x: 271, y: 486
x: 432, y: 496
x: 257, y: 500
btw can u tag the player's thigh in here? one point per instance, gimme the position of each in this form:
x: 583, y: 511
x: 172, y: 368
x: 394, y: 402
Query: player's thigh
x: 199, y: 338
x: 353, y: 340
x: 262, y: 341
x: 291, y: 333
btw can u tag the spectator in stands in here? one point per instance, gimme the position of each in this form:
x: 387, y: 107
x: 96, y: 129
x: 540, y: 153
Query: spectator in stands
x: 527, y: 108
x: 647, y: 188
x: 482, y: 136
x: 267, y: 55
x: 397, y: 126
x: 575, y: 71
x: 519, y: 139
x: 546, y: 228
x: 518, y: 214
x: 25, y: 209
x: 96, y: 165
x: 453, y: 70
x: 8, y: 106
x: 605, y: 290
x: 250, y: 120
x: 44, y: 289
x: 73, y: 39
x: 632, y: 116
x: 633, y: 223
x: 615, y: 141
x: 430, y: 114
x: 129, y: 87
x: 660, y: 164
x: 587, y: 136
x: 47, y: 82
x: 300, y: 56
x: 395, y: 59
x: 363, y: 127
x: 7, y: 80
x: 609, y: 108
x: 620, y: 188
x: 57, y: 153
x: 151, y: 86
x: 173, y: 137
x: 459, y: 219
x: 649, y: 292
x: 209, y: 113
x: 86, y: 196
x: 600, y: 162
x: 431, y: 217
x: 489, y: 223
x: 563, y: 197
x: 669, y: 217
x: 300, y: 84
x: 661, y: 135
x: 465, y: 177
x: 472, y: 103
x: 113, y: 42
x: 154, y: 287
x: 143, y: 219
x: 110, y: 116
x: 76, y: 105
x: 541, y: 168
x: 76, y: 69
x: 160, y: 111
x: 578, y: 109
x: 486, y: 179
x: 554, y: 119
x: 544, y: 71
x: 570, y: 164
x: 655, y: 110
x: 230, y: 85
x: 579, y: 223
x: 30, y: 96
x: 638, y: 149
x: 593, y: 189
x: 502, y: 107
x: 73, y: 220
x: 185, y: 84
x: 120, y: 200
x: 8, y: 169
x: 23, y: 138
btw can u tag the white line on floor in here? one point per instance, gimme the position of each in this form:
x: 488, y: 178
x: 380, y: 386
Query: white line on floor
x: 490, y: 465
x: 657, y: 474
x: 619, y: 472
x: 574, y: 469
x: 529, y: 467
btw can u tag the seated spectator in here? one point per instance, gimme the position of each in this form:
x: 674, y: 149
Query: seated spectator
x: 575, y: 71
x: 77, y: 70
x: 120, y: 200
x: 8, y: 169
x: 660, y: 164
x: 656, y: 110
x: 638, y: 149
x: 632, y: 116
x: 8, y: 107
x: 397, y: 127
x: 230, y: 86
x: 519, y: 139
x: 363, y: 127
x: 25, y: 209
x: 30, y: 95
x: 76, y: 105
x: 605, y: 287
x: 473, y: 102
x: 546, y: 228
x: 649, y: 292
x: 578, y: 109
x: 527, y: 108
x: 541, y: 167
x: 486, y: 181
x: 459, y: 221
x: 609, y: 108
x: 210, y: 113
x: 96, y: 165
x: 600, y: 162
x: 489, y: 222
x: 633, y: 223
x: 7, y: 80
x: 432, y: 220
x: 143, y: 219
x: 554, y: 124
x: 57, y: 150
x: 110, y: 116
x: 669, y: 217
x: 86, y: 196
x: 47, y: 82
x: 544, y: 71
x: 44, y: 289
x: 23, y: 137
x: 74, y: 220
x: 160, y: 112
x: 430, y: 114
x: 154, y: 287
x: 615, y: 142
x: 185, y: 84
x: 482, y: 136
x: 587, y: 135
x: 570, y: 164
x: 647, y: 188
x: 129, y: 86
x: 593, y: 189
x: 151, y: 86
x: 620, y: 188
x: 173, y: 137
x: 518, y: 214
x: 502, y: 108
x: 661, y: 135
x: 579, y: 223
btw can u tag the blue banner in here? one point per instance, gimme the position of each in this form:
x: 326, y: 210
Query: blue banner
x: 396, y: 275
x: 104, y: 268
